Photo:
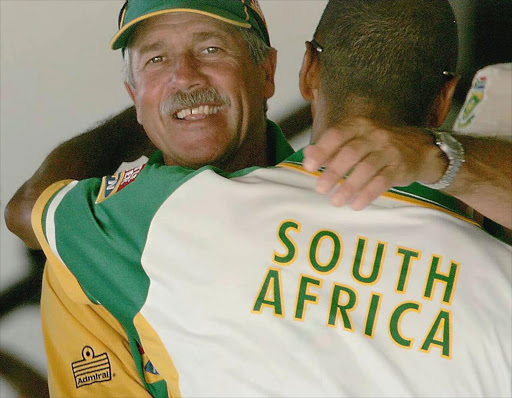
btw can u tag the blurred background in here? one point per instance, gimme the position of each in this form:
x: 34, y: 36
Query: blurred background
x: 59, y: 78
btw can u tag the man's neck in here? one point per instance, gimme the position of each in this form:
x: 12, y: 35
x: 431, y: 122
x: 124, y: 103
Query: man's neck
x: 251, y: 153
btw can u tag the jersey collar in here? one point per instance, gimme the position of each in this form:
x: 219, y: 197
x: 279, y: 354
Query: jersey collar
x: 414, y: 191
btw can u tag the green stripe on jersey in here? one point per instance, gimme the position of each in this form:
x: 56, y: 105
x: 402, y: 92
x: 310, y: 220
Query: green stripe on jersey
x: 114, y: 232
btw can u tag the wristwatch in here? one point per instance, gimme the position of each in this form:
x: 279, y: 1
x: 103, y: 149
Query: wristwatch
x: 454, y: 152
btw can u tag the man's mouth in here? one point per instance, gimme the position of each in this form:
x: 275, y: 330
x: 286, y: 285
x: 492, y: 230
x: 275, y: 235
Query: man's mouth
x: 197, y: 113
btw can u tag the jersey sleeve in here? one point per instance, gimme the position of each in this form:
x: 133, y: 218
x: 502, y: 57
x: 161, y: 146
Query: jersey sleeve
x: 50, y: 195
x: 43, y: 224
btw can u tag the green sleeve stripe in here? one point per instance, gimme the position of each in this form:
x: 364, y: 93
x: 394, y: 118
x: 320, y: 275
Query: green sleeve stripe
x: 102, y: 243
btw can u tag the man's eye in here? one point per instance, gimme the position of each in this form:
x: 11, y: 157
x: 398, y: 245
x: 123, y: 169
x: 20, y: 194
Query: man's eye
x: 156, y: 60
x: 211, y: 50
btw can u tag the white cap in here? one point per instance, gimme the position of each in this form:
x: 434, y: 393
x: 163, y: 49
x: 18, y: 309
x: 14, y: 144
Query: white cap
x: 487, y: 110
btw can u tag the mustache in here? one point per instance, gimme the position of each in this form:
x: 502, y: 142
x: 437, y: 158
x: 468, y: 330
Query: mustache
x: 192, y: 99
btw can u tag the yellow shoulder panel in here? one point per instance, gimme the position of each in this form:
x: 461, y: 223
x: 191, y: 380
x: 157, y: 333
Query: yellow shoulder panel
x: 87, y: 349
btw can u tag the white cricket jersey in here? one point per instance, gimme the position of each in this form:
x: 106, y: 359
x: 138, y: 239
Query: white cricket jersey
x: 252, y: 284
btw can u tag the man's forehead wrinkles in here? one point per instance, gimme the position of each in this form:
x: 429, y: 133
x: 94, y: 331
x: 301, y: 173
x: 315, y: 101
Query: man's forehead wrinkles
x: 213, y: 34
x: 158, y: 44
x: 152, y: 46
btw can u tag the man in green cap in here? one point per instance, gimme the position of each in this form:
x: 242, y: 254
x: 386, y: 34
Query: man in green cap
x: 200, y: 74
x: 200, y: 92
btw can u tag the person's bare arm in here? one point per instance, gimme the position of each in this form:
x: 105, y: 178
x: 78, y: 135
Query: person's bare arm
x: 95, y: 153
x: 381, y: 157
x: 485, y: 180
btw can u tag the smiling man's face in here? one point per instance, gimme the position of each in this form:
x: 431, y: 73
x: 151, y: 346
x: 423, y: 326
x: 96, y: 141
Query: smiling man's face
x: 197, y: 92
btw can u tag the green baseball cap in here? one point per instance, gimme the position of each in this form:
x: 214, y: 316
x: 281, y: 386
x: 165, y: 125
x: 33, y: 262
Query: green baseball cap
x: 243, y: 13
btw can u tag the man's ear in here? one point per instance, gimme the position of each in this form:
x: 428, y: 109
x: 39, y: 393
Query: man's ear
x: 443, y: 102
x: 131, y: 92
x: 269, y: 67
x: 309, y: 76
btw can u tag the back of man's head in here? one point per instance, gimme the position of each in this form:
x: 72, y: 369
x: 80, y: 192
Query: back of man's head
x: 385, y: 59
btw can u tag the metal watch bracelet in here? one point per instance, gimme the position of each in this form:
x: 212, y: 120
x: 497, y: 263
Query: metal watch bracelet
x: 454, y: 151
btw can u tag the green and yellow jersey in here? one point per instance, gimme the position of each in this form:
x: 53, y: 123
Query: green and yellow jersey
x: 165, y: 281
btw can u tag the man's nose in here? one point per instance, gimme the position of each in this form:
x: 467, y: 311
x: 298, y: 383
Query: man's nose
x: 187, y: 73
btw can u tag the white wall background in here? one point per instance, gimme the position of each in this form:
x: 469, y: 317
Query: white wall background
x: 59, y: 78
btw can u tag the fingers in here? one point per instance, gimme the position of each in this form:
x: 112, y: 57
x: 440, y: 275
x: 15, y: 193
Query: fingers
x: 375, y: 158
x: 318, y: 155
x: 348, y: 156
x: 314, y: 158
x: 377, y: 186
x: 366, y: 180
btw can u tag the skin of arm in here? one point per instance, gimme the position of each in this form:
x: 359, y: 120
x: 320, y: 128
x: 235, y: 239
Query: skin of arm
x: 380, y: 157
x: 95, y: 153
x: 485, y: 179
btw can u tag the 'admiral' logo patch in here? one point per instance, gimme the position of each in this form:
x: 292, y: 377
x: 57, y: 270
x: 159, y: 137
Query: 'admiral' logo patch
x: 112, y: 184
x: 91, y: 368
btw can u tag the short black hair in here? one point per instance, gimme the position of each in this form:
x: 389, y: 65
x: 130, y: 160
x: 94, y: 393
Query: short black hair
x: 386, y: 55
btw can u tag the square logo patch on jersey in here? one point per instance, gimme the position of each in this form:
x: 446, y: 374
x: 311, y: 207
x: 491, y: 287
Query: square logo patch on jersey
x: 112, y: 184
x: 91, y: 368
